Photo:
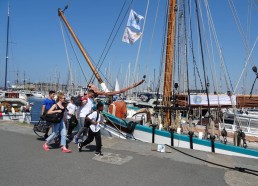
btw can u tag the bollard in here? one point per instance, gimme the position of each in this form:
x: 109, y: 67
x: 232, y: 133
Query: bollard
x: 172, y: 130
x: 212, y: 143
x: 190, y: 133
x: 224, y: 135
x: 242, y: 135
x: 153, y: 133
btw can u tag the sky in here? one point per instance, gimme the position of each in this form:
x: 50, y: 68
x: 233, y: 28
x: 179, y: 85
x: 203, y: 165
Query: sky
x: 37, y: 48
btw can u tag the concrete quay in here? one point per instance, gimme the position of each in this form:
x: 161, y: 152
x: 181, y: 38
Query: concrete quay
x: 125, y: 162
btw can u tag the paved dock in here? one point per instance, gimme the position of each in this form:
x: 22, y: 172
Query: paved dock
x: 125, y: 162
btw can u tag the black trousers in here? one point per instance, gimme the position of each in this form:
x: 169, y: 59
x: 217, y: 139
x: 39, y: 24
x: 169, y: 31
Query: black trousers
x: 90, y: 138
x: 70, y: 128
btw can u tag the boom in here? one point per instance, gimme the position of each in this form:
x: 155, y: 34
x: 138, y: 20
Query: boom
x: 84, y: 53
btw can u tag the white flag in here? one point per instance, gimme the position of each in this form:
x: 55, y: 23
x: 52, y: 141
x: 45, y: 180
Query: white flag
x: 134, y: 20
x: 130, y: 36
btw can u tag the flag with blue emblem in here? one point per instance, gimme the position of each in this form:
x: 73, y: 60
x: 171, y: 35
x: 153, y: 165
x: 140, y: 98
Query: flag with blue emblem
x: 130, y: 36
x: 134, y: 20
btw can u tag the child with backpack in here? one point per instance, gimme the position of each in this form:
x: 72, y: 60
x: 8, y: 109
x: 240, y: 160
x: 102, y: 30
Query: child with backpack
x: 95, y: 119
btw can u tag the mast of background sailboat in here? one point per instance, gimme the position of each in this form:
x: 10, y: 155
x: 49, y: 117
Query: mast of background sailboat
x: 24, y: 80
x: 7, y: 44
x: 17, y: 80
x: 204, y: 71
x: 187, y: 67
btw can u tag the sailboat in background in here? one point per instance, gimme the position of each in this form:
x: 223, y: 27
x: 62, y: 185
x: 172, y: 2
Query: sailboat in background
x: 117, y: 88
x: 13, y: 104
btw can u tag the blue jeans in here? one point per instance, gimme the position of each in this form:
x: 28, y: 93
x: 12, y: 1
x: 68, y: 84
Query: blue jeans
x: 57, y: 129
x: 80, y: 123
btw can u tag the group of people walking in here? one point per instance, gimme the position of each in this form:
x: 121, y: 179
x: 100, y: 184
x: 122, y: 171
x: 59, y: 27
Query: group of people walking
x: 88, y: 121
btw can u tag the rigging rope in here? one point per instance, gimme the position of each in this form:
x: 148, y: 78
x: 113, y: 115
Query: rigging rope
x: 255, y: 4
x: 87, y: 82
x: 240, y: 28
x: 213, y: 72
x: 186, y: 55
x: 249, y: 15
x: 67, y: 55
x: 163, y: 48
x: 115, y: 36
x: 98, y: 63
x: 246, y: 64
x: 191, y: 46
x: 226, y: 74
x: 153, y: 31
x: 203, y: 65
x: 75, y: 54
x: 140, y: 44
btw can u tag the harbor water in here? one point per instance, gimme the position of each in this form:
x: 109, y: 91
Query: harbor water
x: 36, y: 109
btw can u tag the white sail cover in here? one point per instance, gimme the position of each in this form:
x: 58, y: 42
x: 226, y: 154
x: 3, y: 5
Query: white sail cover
x: 214, y: 100
x: 117, y: 86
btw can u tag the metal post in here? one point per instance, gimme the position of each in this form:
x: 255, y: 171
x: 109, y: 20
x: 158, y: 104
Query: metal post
x: 212, y: 143
x: 153, y: 133
x: 190, y: 133
x: 172, y: 130
x: 7, y: 43
x: 224, y: 135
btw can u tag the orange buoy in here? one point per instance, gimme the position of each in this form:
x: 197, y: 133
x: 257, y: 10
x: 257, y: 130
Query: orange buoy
x: 118, y: 109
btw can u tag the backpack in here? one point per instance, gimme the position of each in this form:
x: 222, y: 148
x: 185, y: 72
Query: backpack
x: 88, y: 122
x: 78, y: 101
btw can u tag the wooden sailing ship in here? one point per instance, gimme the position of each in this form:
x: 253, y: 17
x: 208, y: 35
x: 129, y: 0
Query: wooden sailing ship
x: 134, y: 130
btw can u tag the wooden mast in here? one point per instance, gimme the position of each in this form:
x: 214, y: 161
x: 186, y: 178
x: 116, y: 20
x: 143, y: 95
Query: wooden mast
x: 167, y: 89
x: 87, y: 58
x: 102, y: 84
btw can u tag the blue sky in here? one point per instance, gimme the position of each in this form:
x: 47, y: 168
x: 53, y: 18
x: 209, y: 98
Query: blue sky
x: 37, y: 46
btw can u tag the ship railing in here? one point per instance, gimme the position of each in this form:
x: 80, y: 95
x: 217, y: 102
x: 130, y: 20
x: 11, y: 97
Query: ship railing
x: 248, y: 125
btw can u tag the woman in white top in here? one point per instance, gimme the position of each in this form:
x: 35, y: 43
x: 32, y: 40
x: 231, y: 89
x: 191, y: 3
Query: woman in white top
x: 71, y: 112
x: 94, y: 131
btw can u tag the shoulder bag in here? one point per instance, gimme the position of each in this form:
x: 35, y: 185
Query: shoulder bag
x: 55, y: 117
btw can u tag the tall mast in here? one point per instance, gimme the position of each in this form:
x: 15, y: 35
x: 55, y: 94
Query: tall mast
x: 85, y: 55
x: 167, y: 89
x: 7, y: 46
